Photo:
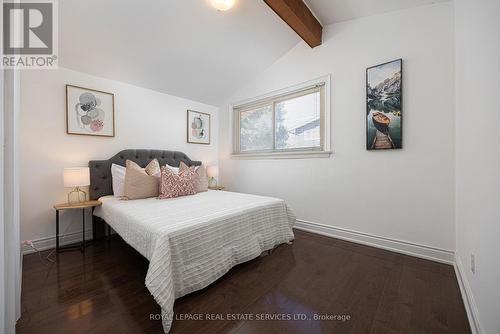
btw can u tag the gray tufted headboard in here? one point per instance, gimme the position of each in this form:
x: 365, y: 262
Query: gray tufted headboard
x: 100, y: 170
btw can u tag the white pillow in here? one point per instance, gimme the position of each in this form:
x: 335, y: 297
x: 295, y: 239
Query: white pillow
x: 118, y: 179
x: 173, y: 169
x: 176, y: 169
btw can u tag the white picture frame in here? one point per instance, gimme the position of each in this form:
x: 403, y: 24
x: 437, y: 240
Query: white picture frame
x: 198, y: 127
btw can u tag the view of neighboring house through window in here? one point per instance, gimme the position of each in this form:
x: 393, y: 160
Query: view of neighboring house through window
x: 298, y: 122
x: 289, y: 122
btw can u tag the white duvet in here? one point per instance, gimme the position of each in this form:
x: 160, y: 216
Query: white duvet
x: 192, y: 241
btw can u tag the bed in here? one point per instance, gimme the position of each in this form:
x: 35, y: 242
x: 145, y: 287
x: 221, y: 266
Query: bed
x: 189, y: 241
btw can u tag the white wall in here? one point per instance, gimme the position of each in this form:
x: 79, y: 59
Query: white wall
x: 10, y: 259
x: 10, y: 177
x: 3, y: 271
x: 406, y: 194
x: 143, y: 119
x: 477, y: 30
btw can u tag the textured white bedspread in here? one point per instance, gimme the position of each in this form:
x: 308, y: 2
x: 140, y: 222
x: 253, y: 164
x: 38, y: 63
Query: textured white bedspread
x: 192, y: 241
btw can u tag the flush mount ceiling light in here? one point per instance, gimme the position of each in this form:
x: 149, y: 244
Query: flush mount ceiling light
x: 222, y: 5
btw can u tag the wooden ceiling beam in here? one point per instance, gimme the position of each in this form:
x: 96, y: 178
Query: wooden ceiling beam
x: 299, y: 17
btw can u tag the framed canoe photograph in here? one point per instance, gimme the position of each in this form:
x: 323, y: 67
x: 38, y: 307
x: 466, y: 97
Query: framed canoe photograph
x: 384, y: 114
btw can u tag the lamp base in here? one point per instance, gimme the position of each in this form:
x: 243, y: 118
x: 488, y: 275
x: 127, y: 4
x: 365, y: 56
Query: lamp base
x: 212, y: 182
x: 77, y: 192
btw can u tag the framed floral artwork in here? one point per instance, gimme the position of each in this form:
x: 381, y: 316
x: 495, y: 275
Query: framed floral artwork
x: 198, y: 127
x: 89, y: 112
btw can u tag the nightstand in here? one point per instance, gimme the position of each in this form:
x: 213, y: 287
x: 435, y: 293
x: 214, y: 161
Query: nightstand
x: 216, y: 188
x: 71, y: 206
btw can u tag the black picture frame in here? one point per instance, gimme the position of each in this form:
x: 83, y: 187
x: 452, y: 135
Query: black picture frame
x: 369, y: 102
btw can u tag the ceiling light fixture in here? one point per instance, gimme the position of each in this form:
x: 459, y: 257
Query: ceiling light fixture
x: 222, y: 5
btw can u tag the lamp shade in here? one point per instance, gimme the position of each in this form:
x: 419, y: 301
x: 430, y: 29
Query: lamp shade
x: 212, y: 171
x: 76, y: 177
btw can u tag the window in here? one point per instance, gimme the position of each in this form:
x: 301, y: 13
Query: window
x: 292, y: 122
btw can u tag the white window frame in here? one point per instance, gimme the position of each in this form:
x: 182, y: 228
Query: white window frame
x: 324, y: 151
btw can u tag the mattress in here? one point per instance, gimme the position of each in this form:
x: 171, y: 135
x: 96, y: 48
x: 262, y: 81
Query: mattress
x: 192, y: 241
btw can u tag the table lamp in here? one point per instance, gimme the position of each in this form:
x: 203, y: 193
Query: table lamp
x: 75, y: 178
x: 212, y: 173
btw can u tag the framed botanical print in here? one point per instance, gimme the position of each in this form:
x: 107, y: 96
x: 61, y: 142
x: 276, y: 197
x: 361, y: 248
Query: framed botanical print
x: 198, y: 127
x: 89, y: 112
x: 384, y: 113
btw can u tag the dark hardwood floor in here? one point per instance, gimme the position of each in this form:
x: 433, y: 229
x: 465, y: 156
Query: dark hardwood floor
x: 103, y: 291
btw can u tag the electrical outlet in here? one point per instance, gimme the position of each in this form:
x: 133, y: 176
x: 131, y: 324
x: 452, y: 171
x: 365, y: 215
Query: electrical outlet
x: 473, y: 263
x: 28, y: 243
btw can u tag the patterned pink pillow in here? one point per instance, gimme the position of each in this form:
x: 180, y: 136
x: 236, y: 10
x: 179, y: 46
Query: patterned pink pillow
x: 175, y: 185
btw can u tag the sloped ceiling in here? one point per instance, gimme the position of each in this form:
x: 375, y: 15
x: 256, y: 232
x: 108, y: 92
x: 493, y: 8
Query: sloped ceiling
x: 185, y: 47
x: 334, y: 11
x: 180, y: 47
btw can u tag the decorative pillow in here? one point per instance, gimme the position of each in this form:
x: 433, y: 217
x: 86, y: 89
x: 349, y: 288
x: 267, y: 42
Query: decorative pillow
x: 118, y: 179
x: 153, y: 168
x: 201, y: 177
x: 138, y: 184
x: 175, y: 185
x: 173, y: 169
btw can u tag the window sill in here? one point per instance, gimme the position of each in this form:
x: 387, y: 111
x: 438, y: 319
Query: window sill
x: 283, y: 155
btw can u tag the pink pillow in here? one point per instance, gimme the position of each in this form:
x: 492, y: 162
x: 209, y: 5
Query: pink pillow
x: 175, y: 185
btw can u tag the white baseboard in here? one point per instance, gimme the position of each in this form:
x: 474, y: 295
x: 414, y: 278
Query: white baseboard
x: 395, y: 245
x: 50, y: 242
x: 468, y: 298
x: 408, y: 248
